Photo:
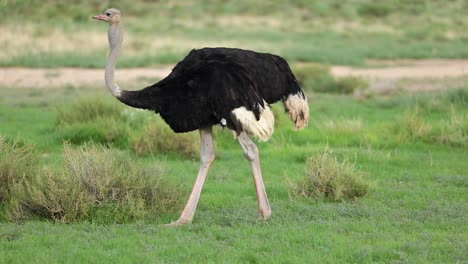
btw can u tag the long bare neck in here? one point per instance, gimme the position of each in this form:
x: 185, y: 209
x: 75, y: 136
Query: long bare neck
x: 115, y: 36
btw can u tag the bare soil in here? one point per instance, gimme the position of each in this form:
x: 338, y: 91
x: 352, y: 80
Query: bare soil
x: 382, y: 75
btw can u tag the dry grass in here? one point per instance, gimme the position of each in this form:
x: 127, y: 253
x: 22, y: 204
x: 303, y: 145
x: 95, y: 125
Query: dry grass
x: 454, y: 132
x: 328, y: 179
x: 18, y: 162
x: 411, y: 126
x: 345, y: 126
x: 16, y: 39
x: 98, y: 184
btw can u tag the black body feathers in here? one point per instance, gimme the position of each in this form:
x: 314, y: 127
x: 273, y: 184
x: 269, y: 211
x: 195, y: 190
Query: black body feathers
x: 209, y: 83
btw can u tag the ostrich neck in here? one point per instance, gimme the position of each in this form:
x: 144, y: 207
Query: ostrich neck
x: 115, y: 36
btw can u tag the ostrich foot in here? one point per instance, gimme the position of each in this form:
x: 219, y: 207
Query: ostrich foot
x: 264, y: 215
x: 177, y: 223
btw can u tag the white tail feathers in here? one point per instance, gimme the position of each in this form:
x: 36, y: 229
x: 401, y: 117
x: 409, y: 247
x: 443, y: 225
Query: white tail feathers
x: 262, y: 129
x: 298, y: 108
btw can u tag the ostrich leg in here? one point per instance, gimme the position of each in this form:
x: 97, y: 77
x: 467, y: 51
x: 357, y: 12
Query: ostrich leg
x: 206, y: 159
x: 251, y: 153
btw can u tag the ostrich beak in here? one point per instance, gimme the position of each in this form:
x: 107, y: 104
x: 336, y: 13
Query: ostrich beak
x: 100, y: 17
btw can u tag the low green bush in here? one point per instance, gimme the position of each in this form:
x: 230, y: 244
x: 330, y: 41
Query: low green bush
x: 91, y: 119
x: 376, y: 9
x: 108, y: 131
x: 18, y: 162
x: 458, y: 96
x: 317, y: 78
x: 454, y: 131
x: 411, y: 127
x: 328, y: 179
x: 98, y: 184
x: 157, y: 138
x: 87, y: 109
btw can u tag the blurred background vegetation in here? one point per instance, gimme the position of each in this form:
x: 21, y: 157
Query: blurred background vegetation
x: 58, y: 33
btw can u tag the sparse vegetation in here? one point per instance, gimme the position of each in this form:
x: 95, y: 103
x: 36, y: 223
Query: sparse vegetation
x: 98, y: 184
x: 454, y: 131
x: 411, y: 126
x: 18, y: 162
x: 328, y: 179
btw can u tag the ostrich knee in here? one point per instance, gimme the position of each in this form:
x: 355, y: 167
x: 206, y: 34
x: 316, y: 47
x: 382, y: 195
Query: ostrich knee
x: 250, y: 151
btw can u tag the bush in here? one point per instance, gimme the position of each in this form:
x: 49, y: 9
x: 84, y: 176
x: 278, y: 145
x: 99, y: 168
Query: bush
x: 328, y: 179
x: 454, y: 131
x: 317, y: 77
x: 18, y: 161
x: 157, y: 138
x: 108, y: 131
x: 92, y: 119
x: 98, y: 184
x: 458, y: 96
x: 87, y: 109
x: 411, y: 126
x: 376, y: 9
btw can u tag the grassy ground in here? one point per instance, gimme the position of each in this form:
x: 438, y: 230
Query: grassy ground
x: 53, y: 34
x: 415, y: 213
x: 412, y: 148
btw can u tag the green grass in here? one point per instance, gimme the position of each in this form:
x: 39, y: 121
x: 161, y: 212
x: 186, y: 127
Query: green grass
x: 334, y: 31
x: 415, y: 213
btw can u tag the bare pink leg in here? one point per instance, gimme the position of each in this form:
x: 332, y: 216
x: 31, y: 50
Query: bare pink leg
x: 206, y: 159
x: 251, y: 153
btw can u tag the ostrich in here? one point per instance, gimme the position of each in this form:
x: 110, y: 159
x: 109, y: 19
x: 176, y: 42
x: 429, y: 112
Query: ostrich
x: 215, y: 86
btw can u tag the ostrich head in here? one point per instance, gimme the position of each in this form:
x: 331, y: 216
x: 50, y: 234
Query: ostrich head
x: 111, y: 15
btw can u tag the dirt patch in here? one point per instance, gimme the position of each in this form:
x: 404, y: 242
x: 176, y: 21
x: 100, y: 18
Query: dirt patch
x: 40, y: 78
x: 422, y: 74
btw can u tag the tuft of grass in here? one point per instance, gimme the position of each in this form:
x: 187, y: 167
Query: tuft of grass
x: 344, y: 126
x: 454, y: 132
x: 458, y: 96
x: 411, y: 127
x: 157, y: 137
x: 328, y: 179
x: 98, y: 184
x: 18, y: 161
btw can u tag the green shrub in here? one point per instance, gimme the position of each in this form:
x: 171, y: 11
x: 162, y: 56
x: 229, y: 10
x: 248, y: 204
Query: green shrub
x: 376, y: 9
x: 157, y: 138
x: 18, y: 161
x: 454, y: 132
x: 312, y: 76
x: 317, y: 77
x: 93, y: 119
x: 102, y: 130
x: 87, y: 109
x: 458, y: 96
x: 348, y: 85
x: 98, y: 184
x: 328, y: 179
x: 411, y: 127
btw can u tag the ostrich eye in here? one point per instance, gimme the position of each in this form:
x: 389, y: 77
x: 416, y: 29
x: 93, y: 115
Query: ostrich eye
x: 107, y: 14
